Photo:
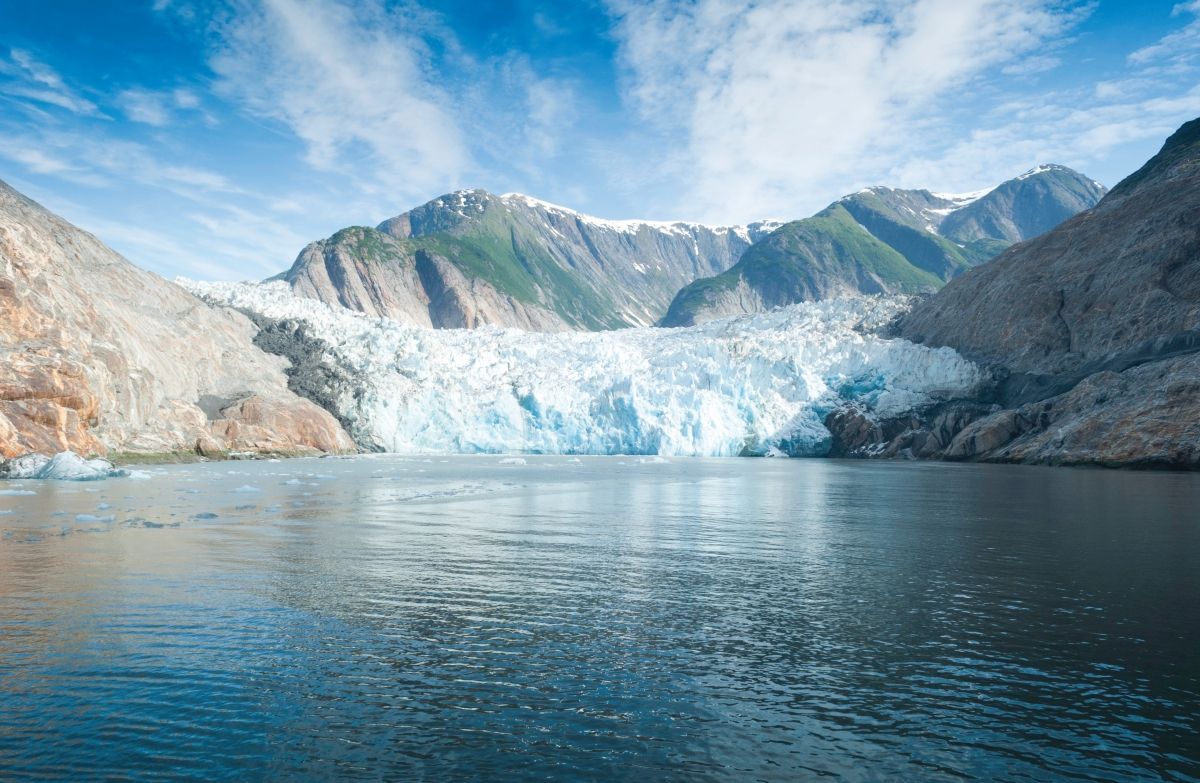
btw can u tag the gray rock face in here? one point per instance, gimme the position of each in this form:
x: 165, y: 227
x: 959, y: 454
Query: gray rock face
x: 884, y: 240
x: 472, y: 258
x: 312, y: 375
x: 1024, y: 207
x: 101, y: 355
x: 1093, y: 330
x: 1109, y: 280
x: 1146, y: 416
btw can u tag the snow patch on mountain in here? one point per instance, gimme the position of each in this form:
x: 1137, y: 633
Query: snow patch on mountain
x: 1042, y: 169
x: 747, y: 385
x: 680, y: 227
x: 963, y: 199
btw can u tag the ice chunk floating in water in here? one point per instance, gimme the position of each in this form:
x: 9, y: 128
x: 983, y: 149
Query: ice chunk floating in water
x: 64, y: 466
x: 746, y: 385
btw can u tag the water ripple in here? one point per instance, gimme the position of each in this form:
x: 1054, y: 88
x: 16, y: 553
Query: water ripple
x: 697, y: 620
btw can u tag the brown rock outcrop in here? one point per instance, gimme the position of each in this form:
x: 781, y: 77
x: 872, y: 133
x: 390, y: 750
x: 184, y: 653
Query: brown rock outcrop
x: 97, y: 355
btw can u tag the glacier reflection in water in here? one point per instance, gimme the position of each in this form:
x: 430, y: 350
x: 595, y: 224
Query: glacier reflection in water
x: 606, y: 618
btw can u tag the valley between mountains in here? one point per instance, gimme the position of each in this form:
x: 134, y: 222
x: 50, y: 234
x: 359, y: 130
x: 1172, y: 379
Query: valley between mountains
x: 1046, y: 320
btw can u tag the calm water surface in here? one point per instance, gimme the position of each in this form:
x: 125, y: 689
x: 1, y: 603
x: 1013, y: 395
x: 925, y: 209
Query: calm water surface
x: 602, y: 619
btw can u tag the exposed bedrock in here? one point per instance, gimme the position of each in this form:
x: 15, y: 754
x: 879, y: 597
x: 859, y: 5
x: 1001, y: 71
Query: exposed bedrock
x: 1094, y: 328
x: 99, y: 356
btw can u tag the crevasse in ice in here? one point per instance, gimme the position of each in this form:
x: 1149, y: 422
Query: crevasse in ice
x: 745, y: 385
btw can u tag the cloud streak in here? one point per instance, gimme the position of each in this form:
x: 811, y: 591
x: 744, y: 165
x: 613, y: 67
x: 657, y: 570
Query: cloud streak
x: 156, y: 107
x: 30, y: 79
x: 353, y: 82
x: 1078, y: 127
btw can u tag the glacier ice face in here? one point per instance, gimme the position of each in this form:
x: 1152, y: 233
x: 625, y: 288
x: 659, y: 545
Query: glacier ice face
x: 755, y: 384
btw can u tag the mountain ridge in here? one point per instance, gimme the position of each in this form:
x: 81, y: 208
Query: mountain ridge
x: 938, y: 235
x: 470, y: 258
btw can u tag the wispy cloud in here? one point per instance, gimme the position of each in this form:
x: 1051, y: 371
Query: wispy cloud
x: 1180, y: 47
x: 1079, y: 127
x: 353, y: 82
x: 34, y: 158
x: 29, y: 79
x: 156, y: 107
x: 785, y: 98
x: 89, y: 159
x: 1031, y: 65
x: 1065, y: 130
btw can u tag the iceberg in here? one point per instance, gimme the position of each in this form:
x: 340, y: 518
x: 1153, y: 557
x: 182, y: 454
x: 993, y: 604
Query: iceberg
x: 64, y: 466
x: 748, y: 385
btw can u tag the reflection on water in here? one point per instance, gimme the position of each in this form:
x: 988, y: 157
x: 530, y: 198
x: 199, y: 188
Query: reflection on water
x: 602, y: 619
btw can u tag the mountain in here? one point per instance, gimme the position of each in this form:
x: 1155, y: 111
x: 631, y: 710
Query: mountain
x: 1093, y: 330
x: 101, y: 355
x: 471, y: 258
x: 1024, y: 207
x: 884, y: 240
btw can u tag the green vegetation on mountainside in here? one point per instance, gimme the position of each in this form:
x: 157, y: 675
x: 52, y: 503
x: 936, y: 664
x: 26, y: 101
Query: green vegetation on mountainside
x: 806, y: 259
x: 499, y: 252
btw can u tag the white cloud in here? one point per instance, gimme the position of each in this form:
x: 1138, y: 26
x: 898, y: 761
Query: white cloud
x: 780, y: 101
x: 155, y: 107
x: 37, y: 160
x: 145, y: 106
x: 185, y: 99
x: 32, y: 80
x: 1064, y: 130
x: 1178, y: 48
x: 353, y: 82
x: 550, y: 108
x: 1079, y: 128
x: 1032, y: 65
x: 97, y: 161
x: 257, y: 244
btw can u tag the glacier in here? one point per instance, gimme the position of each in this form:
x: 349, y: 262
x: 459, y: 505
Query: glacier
x: 748, y: 385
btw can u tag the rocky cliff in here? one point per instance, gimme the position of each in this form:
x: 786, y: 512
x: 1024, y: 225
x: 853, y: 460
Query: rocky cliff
x: 101, y: 356
x: 1093, y: 331
x: 472, y: 258
x: 884, y: 240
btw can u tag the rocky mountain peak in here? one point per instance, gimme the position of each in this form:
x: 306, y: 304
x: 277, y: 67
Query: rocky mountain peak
x: 1179, y: 156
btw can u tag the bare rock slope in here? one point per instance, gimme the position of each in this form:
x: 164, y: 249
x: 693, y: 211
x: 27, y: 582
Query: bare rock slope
x: 99, y: 355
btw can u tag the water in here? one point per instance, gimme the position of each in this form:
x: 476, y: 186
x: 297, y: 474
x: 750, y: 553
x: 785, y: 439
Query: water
x: 602, y: 619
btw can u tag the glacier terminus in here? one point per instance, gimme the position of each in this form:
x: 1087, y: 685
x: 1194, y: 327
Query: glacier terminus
x: 749, y: 385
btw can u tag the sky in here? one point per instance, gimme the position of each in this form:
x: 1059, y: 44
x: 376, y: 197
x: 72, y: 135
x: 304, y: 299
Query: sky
x: 214, y: 139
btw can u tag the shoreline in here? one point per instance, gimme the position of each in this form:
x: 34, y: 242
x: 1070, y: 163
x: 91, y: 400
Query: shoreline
x: 124, y: 459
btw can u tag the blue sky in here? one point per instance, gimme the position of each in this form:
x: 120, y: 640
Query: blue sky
x: 215, y: 139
